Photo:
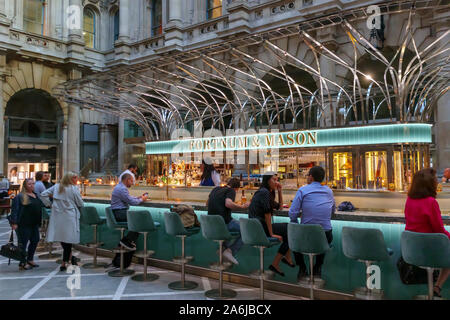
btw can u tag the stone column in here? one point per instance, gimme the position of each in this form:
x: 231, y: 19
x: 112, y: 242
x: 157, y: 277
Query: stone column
x: 103, y: 136
x: 2, y: 9
x: 73, y: 131
x: 175, y: 10
x: 64, y: 162
x: 120, y: 144
x: 124, y: 29
x: 3, y: 161
x: 76, y: 34
x: 174, y: 36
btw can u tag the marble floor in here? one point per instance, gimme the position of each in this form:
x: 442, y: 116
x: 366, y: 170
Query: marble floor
x: 48, y: 283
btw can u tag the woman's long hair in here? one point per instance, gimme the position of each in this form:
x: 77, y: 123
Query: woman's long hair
x: 265, y: 184
x: 424, y: 184
x: 66, y: 181
x: 207, y: 170
x: 23, y: 192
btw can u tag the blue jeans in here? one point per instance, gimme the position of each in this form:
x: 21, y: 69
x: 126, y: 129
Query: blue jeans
x: 236, y: 246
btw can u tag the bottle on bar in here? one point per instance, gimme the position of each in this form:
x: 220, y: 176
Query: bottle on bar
x: 243, y: 198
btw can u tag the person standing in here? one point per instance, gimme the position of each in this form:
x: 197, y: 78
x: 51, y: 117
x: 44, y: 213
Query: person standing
x: 132, y: 170
x: 46, y: 180
x: 422, y: 213
x: 210, y: 177
x: 315, y: 204
x: 4, y: 187
x: 221, y: 202
x: 26, y: 215
x: 261, y: 207
x: 120, y: 203
x: 64, y: 224
x: 39, y: 186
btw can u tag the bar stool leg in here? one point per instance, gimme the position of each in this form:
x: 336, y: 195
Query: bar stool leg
x: 94, y: 264
x: 311, y: 276
x: 220, y: 293
x: 183, y: 284
x: 145, y: 277
x: 122, y: 272
x: 261, y: 277
x: 430, y: 283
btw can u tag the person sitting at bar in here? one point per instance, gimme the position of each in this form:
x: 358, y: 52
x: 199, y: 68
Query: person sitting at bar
x: 4, y: 187
x: 39, y: 186
x: 315, y: 204
x: 446, y: 177
x: 132, y: 170
x: 422, y: 213
x: 120, y: 203
x: 261, y: 207
x: 210, y: 177
x: 221, y: 202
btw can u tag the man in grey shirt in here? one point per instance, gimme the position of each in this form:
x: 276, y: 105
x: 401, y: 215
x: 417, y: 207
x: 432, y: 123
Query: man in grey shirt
x: 4, y: 186
x: 39, y: 186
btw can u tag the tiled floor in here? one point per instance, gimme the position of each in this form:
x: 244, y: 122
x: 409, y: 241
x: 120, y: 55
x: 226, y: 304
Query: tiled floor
x: 48, y: 283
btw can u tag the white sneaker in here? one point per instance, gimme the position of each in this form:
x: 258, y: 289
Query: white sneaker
x: 229, y: 256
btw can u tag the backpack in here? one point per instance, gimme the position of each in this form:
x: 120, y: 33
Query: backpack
x: 411, y: 274
x: 187, y: 215
x: 127, y: 257
x: 346, y: 206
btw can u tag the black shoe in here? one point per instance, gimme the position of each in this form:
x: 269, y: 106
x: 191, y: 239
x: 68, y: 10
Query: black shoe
x: 301, y: 273
x: 24, y: 266
x: 62, y: 268
x: 272, y: 268
x: 317, y: 271
x: 130, y: 245
x: 33, y: 265
x: 284, y: 260
x: 74, y: 261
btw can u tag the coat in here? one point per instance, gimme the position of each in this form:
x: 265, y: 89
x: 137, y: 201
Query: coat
x: 64, y: 224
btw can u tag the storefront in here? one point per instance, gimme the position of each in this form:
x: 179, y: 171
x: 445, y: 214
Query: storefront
x: 378, y: 157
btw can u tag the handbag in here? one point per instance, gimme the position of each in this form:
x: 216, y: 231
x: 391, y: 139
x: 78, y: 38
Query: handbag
x: 411, y: 274
x: 12, y: 251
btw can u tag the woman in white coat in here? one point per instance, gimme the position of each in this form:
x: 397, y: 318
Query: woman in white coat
x: 64, y: 224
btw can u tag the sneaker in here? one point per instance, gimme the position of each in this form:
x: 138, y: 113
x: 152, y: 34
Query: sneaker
x: 130, y: 245
x: 229, y: 256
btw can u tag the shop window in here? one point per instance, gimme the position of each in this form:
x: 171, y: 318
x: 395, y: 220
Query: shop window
x: 342, y: 170
x: 89, y: 28
x: 376, y: 170
x: 34, y: 16
x: 156, y: 17
x: 214, y: 9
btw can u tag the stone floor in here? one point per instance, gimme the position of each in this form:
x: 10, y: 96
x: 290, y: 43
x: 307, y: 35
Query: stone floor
x: 48, y: 283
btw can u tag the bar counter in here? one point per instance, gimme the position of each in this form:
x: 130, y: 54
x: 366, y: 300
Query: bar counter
x: 341, y: 274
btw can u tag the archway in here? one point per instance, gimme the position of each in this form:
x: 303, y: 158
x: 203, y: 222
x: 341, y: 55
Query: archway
x: 33, y: 130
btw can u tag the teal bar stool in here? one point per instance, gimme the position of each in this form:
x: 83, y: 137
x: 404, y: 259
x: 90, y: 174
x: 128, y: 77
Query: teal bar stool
x: 120, y: 226
x: 308, y: 239
x: 428, y: 251
x: 174, y: 227
x: 50, y: 255
x: 214, y: 228
x: 90, y: 217
x: 253, y: 234
x: 365, y: 245
x: 142, y: 222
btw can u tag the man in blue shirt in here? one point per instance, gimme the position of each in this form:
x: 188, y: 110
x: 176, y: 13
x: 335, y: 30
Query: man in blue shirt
x: 315, y: 204
x: 39, y: 186
x: 120, y: 203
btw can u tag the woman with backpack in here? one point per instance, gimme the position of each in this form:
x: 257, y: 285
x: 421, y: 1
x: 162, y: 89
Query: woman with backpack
x: 26, y: 216
x: 64, y: 224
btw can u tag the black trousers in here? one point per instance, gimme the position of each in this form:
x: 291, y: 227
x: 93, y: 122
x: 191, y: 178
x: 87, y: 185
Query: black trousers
x: 319, y: 258
x: 121, y: 216
x: 67, y: 250
x: 28, y: 238
x: 279, y: 229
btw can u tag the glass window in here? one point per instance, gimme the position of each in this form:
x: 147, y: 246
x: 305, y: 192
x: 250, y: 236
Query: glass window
x: 156, y: 17
x: 214, y: 9
x: 376, y: 170
x: 89, y: 28
x: 33, y: 16
x: 342, y: 170
x: 116, y: 25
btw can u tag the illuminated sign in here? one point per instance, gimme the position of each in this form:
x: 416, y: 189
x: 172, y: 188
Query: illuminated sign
x: 352, y: 136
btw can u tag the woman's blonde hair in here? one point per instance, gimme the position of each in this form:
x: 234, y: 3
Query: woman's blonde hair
x: 23, y: 192
x: 66, y: 181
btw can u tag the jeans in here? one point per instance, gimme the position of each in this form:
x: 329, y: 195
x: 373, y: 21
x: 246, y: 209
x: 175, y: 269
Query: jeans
x: 121, y: 216
x: 28, y: 236
x: 319, y: 258
x: 67, y: 250
x: 234, y: 226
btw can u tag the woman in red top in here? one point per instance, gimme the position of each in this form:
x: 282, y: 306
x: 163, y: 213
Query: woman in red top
x: 422, y: 212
